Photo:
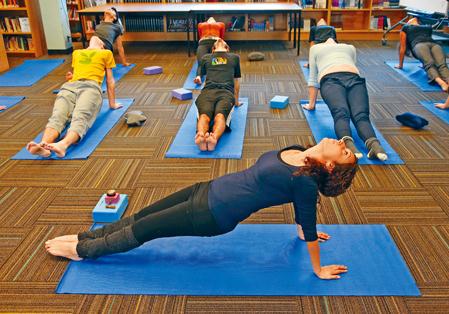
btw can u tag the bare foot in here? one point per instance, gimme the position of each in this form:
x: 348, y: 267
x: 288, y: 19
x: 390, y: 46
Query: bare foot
x: 59, y: 148
x: 442, y: 106
x: 200, y: 140
x: 63, y: 249
x: 67, y: 238
x: 211, y: 142
x: 38, y: 149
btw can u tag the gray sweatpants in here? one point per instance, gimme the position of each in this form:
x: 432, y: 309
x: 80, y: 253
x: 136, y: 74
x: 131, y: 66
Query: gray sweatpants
x: 433, y: 59
x: 77, y: 103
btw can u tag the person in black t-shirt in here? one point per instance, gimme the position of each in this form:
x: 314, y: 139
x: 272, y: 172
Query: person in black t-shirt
x: 110, y: 30
x: 418, y: 39
x: 219, y: 95
x: 320, y: 33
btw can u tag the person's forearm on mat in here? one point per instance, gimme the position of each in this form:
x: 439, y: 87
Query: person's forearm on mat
x: 121, y: 51
x: 110, y: 84
x: 237, y: 91
x: 313, y: 93
x: 402, y: 49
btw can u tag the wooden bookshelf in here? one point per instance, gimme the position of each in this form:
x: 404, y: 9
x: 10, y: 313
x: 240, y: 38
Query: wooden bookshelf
x: 4, y: 64
x: 35, y: 37
x: 354, y: 23
x: 73, y: 6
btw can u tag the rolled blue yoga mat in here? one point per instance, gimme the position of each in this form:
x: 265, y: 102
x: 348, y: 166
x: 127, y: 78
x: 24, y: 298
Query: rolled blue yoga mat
x: 189, y: 84
x: 118, y: 72
x: 230, y: 144
x: 443, y: 114
x: 322, y: 124
x: 415, y: 74
x: 106, y: 120
x: 264, y: 260
x: 10, y: 101
x: 29, y: 72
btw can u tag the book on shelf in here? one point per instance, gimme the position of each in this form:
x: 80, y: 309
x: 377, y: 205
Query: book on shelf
x: 380, y: 22
x: 314, y: 4
x: 15, y: 24
x: 18, y: 43
x: 348, y: 4
x: 144, y: 24
x: 9, y: 3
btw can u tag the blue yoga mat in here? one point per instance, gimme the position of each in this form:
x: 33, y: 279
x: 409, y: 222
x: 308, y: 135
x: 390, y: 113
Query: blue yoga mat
x: 415, y: 74
x: 118, y: 72
x: 29, y: 72
x: 189, y: 84
x: 105, y: 121
x: 443, y: 114
x: 265, y: 260
x: 9, y: 101
x: 322, y: 125
x: 229, y: 146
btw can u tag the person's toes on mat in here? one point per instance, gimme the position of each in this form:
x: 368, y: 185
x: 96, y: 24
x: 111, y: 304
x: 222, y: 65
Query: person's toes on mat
x: 200, y: 140
x: 211, y: 141
x: 38, y: 149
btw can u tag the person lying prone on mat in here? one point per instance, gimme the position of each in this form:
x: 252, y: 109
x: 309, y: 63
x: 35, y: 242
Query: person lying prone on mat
x: 418, y: 39
x: 208, y: 33
x: 333, y: 70
x: 110, y: 30
x: 219, y: 95
x: 291, y: 175
x: 320, y: 33
x: 79, y: 100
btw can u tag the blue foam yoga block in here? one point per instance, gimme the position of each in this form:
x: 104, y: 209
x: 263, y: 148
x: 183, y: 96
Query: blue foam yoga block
x: 279, y: 102
x: 103, y: 214
x: 182, y: 93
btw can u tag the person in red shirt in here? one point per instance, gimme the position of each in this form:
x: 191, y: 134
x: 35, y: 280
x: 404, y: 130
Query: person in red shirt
x: 208, y: 33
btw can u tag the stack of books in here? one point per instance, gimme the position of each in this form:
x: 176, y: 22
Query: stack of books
x: 348, y: 4
x: 380, y: 22
x: 144, y: 24
x: 15, y: 25
x: 18, y: 43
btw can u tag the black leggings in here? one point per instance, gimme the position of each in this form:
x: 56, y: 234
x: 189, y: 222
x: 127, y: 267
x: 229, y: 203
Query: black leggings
x: 346, y: 96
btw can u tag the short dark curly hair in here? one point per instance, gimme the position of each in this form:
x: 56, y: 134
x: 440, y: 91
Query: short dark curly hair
x: 330, y: 183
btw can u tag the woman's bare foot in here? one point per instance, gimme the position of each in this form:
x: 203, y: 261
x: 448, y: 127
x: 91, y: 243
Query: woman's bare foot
x: 442, y: 106
x: 38, y: 149
x: 63, y: 248
x: 211, y: 142
x: 200, y: 140
x: 67, y: 238
x: 59, y: 148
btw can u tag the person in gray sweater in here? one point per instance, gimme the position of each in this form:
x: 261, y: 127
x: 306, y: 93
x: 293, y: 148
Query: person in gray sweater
x: 333, y: 71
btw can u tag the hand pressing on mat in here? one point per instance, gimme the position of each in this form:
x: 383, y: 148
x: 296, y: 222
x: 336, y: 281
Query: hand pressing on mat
x: 116, y: 105
x: 68, y: 76
x: 398, y: 66
x: 3, y: 107
x: 331, y: 271
x: 309, y: 107
x: 197, y: 80
x: 322, y: 236
x: 443, y: 106
x: 238, y: 103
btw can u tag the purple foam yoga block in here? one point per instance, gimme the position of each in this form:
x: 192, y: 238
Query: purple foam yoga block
x: 152, y: 70
x: 182, y: 93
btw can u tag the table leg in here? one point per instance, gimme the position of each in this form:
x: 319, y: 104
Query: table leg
x: 299, y: 33
x: 188, y: 33
x: 294, y: 29
x: 290, y: 26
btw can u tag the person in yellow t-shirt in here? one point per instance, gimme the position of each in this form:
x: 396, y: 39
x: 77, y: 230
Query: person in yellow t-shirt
x: 79, y: 100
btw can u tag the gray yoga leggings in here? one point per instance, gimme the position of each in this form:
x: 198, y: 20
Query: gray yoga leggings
x: 432, y: 57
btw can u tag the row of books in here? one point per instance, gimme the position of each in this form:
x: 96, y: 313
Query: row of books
x: 265, y: 26
x: 11, y: 3
x: 177, y: 24
x: 385, y: 3
x: 348, y: 4
x: 15, y: 24
x: 314, y: 4
x: 73, y: 13
x: 380, y: 22
x: 18, y: 43
x: 144, y: 24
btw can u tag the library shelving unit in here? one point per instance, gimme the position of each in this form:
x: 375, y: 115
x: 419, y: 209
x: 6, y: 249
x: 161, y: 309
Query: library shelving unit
x: 73, y: 6
x: 354, y: 23
x: 4, y: 64
x: 171, y: 26
x: 31, y: 41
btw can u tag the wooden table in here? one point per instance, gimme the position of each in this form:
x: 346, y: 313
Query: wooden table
x: 191, y: 11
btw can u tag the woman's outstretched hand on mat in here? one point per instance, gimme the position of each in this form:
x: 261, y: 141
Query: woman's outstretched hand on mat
x: 323, y: 236
x: 68, y: 76
x: 331, y: 271
x: 398, y: 66
x: 116, y: 106
x: 308, y: 107
x: 197, y: 80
